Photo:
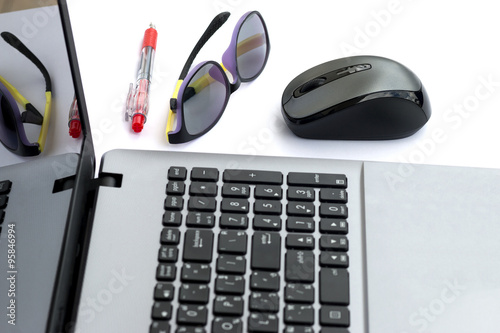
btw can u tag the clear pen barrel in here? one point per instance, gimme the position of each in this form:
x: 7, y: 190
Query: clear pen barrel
x: 146, y: 64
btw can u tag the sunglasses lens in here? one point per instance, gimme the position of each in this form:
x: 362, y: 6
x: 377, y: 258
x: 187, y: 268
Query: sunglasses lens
x: 8, y: 134
x: 252, y: 48
x: 204, y: 98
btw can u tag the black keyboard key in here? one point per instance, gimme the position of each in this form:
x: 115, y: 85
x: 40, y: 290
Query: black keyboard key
x: 5, y: 186
x: 334, y: 316
x: 267, y: 207
x: 170, y: 236
x: 300, y: 224
x: 263, y: 323
x: 230, y: 284
x: 300, y: 193
x: 162, y: 310
x: 195, y: 273
x: 231, y: 264
x: 198, y: 245
x: 202, y: 204
x: 190, y: 329
x: 265, y: 281
x: 236, y: 190
x: 333, y: 195
x: 174, y: 202
x: 235, y: 205
x: 266, y: 251
x: 300, y: 314
x: 233, y: 221
x: 227, y: 325
x: 334, y: 330
x: 299, y: 266
x: 164, y: 291
x: 334, y: 259
x: 299, y: 293
x: 168, y: 253
x: 268, y: 192
x: 225, y: 305
x: 300, y: 241
x: 205, y: 174
x: 334, y: 243
x: 298, y: 329
x: 192, y: 315
x: 267, y: 222
x: 264, y: 302
x: 203, y: 189
x: 200, y: 220
x: 159, y: 327
x: 253, y: 177
x: 317, y: 179
x: 177, y: 173
x: 175, y: 187
x: 300, y: 209
x: 333, y: 210
x: 333, y: 226
x: 165, y: 272
x: 3, y: 201
x: 231, y: 241
x: 172, y: 218
x: 194, y: 293
x: 334, y: 286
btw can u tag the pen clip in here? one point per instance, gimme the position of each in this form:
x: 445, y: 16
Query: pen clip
x: 129, y: 105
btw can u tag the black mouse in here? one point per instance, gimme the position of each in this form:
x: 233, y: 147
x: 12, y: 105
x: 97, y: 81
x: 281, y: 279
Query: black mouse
x: 356, y: 98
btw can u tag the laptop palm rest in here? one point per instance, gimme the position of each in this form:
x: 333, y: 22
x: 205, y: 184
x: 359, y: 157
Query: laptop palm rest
x: 433, y: 248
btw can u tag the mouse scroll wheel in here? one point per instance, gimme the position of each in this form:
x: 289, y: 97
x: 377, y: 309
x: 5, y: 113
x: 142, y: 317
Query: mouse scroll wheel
x: 313, y: 84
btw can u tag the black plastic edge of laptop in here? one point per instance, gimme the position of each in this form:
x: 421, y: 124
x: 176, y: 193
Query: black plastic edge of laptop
x: 73, y: 254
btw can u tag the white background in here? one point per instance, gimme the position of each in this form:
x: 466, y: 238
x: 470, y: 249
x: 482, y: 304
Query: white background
x: 452, y: 47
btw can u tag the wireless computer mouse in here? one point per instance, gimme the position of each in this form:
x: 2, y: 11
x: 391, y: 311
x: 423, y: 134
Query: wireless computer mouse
x: 356, y: 98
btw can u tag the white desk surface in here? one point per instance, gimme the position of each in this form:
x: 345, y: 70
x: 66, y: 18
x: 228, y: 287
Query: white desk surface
x: 453, y: 48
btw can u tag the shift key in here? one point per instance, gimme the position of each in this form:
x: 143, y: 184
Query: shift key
x: 266, y: 251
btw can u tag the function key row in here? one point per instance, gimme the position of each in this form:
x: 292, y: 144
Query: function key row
x: 260, y: 177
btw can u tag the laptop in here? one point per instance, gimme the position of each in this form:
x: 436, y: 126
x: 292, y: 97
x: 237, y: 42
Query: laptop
x: 161, y: 241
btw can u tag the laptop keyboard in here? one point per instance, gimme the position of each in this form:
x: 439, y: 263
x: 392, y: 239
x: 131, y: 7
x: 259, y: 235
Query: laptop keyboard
x: 252, y: 251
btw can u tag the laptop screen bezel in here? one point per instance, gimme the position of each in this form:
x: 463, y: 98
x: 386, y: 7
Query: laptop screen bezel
x: 67, y: 286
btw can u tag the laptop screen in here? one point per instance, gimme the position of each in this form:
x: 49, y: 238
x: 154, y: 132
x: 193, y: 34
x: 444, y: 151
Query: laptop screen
x: 47, y: 160
x: 37, y: 26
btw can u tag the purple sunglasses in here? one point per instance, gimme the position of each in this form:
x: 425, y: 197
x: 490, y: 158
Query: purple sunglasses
x: 202, y: 94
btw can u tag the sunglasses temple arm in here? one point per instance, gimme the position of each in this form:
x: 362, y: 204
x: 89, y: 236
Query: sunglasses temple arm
x: 18, y: 45
x: 42, y: 138
x: 216, y: 23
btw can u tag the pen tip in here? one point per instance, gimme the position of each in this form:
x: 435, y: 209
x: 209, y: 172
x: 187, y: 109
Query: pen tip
x: 151, y: 25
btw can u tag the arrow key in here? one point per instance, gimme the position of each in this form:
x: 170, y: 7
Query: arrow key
x: 334, y: 259
x: 299, y: 241
x: 334, y: 242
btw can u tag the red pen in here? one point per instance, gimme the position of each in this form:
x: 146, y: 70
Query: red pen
x: 75, y: 127
x: 137, y: 105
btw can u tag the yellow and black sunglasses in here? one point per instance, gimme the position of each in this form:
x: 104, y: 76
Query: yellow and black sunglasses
x: 12, y: 131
